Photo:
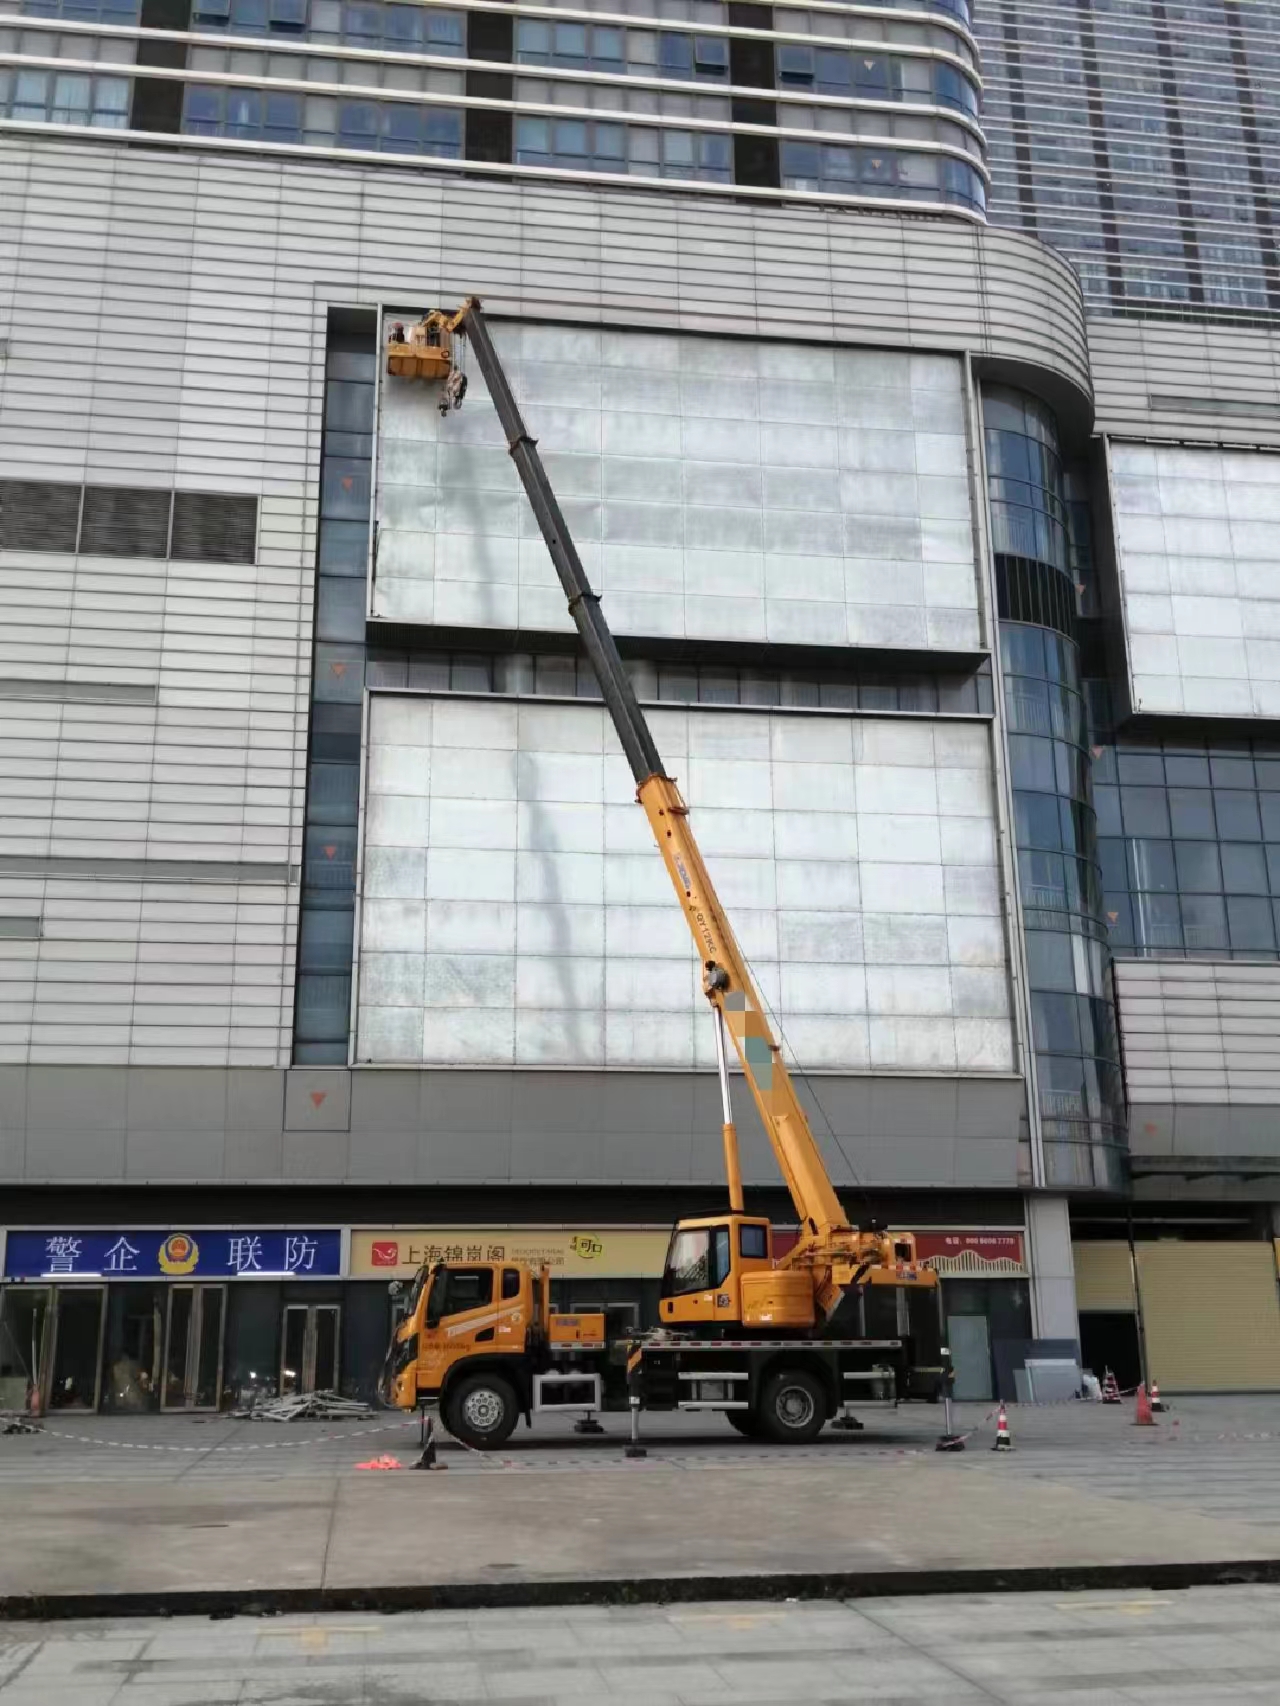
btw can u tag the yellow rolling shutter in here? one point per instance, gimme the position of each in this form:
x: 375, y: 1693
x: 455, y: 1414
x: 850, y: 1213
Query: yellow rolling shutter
x: 1103, y: 1279
x: 1212, y: 1316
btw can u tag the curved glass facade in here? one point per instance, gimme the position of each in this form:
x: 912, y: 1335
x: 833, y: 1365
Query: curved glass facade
x: 1074, y: 1033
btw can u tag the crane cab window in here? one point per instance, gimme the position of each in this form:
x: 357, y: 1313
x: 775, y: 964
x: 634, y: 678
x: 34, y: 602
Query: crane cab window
x: 510, y: 1282
x: 699, y: 1260
x: 753, y: 1241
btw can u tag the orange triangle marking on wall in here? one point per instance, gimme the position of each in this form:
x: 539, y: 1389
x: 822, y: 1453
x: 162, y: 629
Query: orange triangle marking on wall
x: 318, y: 1096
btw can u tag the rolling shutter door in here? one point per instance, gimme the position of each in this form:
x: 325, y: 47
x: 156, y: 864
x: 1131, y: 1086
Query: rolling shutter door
x: 1103, y: 1277
x: 1212, y: 1316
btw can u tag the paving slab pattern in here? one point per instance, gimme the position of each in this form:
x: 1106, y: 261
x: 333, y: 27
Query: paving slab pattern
x: 1207, y: 1647
x: 171, y: 1504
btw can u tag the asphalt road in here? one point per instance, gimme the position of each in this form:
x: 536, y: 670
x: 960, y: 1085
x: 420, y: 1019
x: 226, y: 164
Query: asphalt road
x: 1205, y: 1647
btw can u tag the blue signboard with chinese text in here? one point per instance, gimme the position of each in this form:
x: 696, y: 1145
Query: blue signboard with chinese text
x: 246, y: 1253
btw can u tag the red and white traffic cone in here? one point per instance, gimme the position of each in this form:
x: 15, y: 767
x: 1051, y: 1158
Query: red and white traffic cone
x: 1003, y: 1440
x: 1157, y: 1403
x: 1110, y: 1388
x: 1142, y: 1417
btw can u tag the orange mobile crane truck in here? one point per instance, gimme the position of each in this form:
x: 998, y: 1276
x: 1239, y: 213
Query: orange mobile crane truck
x: 779, y: 1346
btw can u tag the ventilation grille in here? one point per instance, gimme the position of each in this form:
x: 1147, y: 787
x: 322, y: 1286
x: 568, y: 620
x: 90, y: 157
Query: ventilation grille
x: 209, y: 527
x: 37, y: 515
x: 112, y: 692
x: 125, y: 521
x: 128, y: 521
x: 22, y: 927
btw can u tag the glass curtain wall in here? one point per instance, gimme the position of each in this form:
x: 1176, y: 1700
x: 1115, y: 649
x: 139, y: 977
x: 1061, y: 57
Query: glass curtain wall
x: 1074, y: 1030
x: 322, y: 1005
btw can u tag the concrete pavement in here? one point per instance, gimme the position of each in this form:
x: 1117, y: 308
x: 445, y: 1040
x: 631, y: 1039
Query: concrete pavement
x: 1209, y: 1647
x: 167, y: 1506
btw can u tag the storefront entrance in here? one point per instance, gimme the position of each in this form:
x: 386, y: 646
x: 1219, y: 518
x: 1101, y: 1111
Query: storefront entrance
x: 309, y: 1348
x: 193, y: 1347
x: 51, y: 1344
x: 970, y: 1343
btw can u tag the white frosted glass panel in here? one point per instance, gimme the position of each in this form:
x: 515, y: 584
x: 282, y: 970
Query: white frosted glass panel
x: 1200, y: 578
x: 710, y: 494
x: 541, y: 929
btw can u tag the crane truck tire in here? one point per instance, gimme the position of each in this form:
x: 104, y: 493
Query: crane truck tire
x: 481, y: 1411
x: 793, y: 1407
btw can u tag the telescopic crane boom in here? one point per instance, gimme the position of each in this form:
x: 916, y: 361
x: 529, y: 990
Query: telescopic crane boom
x: 836, y: 1255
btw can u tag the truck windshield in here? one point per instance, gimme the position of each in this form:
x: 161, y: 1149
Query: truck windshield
x: 697, y: 1260
x: 420, y: 1280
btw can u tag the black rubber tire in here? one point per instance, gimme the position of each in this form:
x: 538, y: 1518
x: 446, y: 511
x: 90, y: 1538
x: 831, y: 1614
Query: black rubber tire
x: 793, y: 1407
x: 746, y: 1422
x: 482, y: 1411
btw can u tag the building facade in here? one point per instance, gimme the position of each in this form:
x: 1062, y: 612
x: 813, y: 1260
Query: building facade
x: 329, y: 930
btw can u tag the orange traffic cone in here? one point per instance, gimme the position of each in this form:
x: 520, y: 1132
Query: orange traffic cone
x: 1110, y: 1388
x: 1142, y: 1412
x: 1157, y: 1403
x: 1003, y: 1441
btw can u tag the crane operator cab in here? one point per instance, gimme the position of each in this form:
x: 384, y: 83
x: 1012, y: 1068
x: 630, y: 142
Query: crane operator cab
x: 720, y: 1272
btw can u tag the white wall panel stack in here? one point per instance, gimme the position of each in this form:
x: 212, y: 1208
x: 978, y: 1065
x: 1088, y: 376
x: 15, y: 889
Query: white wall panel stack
x: 1196, y: 533
x: 516, y: 912
x: 154, y: 712
x: 1200, y: 1032
x: 716, y: 488
x: 162, y: 321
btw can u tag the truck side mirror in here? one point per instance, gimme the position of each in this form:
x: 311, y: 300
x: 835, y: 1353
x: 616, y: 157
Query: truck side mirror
x: 394, y: 1289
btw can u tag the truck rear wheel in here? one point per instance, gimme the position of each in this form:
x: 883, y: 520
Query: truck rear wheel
x: 481, y: 1411
x: 793, y: 1407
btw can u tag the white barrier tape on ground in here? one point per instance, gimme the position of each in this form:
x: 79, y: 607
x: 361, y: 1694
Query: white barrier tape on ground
x: 40, y: 1427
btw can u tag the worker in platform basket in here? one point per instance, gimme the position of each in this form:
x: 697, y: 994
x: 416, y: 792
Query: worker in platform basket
x: 397, y: 332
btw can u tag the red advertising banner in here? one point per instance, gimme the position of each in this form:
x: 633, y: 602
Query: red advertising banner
x: 956, y: 1255
x: 981, y: 1255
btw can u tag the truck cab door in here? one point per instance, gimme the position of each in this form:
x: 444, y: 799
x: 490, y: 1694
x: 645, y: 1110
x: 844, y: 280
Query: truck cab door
x: 700, y: 1282
x: 461, y: 1317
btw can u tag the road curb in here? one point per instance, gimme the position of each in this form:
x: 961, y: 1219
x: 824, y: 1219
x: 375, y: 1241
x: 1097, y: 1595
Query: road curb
x: 636, y: 1590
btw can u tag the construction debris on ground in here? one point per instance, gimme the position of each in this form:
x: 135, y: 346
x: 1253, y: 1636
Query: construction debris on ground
x: 306, y: 1407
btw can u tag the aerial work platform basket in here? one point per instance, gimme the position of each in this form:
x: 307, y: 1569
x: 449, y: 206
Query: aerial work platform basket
x: 423, y: 351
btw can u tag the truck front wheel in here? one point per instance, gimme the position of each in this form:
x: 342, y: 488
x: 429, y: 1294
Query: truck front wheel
x: 793, y: 1407
x: 481, y: 1411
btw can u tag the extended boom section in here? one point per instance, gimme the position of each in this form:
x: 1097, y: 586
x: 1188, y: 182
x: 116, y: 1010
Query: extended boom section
x: 838, y: 1255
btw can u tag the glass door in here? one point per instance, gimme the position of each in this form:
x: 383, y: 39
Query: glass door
x: 135, y: 1338
x: 193, y: 1347
x: 324, y: 1359
x: 24, y: 1331
x: 78, y: 1315
x: 309, y: 1348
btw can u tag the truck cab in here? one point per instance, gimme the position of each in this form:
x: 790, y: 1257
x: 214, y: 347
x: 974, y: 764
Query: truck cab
x: 473, y: 1339
x: 719, y: 1273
